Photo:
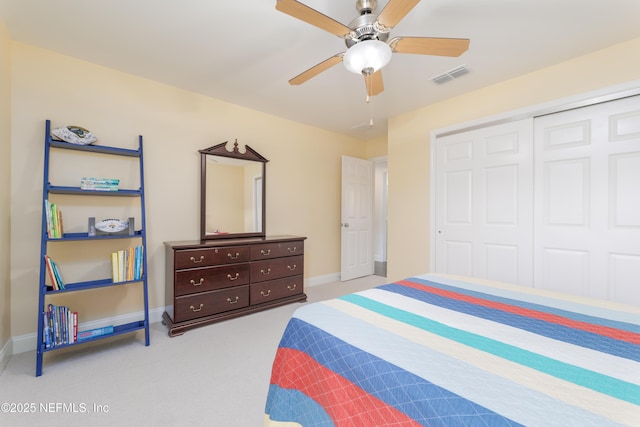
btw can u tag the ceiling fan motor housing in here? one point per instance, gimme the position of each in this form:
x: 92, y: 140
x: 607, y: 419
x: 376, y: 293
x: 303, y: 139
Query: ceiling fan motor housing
x: 364, y: 28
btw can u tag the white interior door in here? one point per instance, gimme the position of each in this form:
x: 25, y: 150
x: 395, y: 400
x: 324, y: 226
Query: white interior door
x: 357, y: 218
x: 484, y: 202
x: 587, y: 179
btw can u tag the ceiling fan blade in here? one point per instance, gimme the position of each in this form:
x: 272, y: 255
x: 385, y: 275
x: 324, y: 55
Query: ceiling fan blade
x: 429, y: 45
x: 316, y: 69
x: 373, y: 83
x: 313, y: 17
x: 394, y: 11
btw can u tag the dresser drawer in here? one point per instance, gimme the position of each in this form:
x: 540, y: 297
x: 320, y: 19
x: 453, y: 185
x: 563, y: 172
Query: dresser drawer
x: 276, y: 250
x: 190, y: 258
x: 276, y: 268
x: 210, y: 278
x: 275, y: 289
x: 208, y: 303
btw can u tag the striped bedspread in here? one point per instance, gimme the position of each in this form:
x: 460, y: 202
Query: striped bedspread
x: 434, y: 350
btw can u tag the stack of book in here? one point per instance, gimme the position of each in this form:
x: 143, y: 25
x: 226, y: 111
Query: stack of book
x: 55, y: 278
x: 54, y: 220
x: 127, y: 265
x: 60, y: 326
x: 99, y: 184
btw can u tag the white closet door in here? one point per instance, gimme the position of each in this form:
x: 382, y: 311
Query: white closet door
x: 587, y: 201
x: 484, y: 203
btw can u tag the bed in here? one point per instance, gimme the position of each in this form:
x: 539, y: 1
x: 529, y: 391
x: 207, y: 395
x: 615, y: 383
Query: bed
x: 437, y: 350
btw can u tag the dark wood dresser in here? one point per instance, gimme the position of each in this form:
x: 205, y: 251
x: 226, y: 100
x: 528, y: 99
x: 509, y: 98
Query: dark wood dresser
x: 215, y: 280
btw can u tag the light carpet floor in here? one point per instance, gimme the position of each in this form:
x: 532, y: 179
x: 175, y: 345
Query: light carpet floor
x: 217, y: 375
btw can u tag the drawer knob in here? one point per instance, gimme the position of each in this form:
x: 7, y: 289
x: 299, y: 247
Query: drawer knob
x: 265, y: 253
x: 267, y: 294
x: 195, y: 261
x: 195, y: 310
x: 292, y: 268
x: 292, y: 287
x: 266, y: 272
x: 233, y: 256
x: 230, y: 277
x: 292, y: 250
x: 230, y: 301
x: 194, y: 283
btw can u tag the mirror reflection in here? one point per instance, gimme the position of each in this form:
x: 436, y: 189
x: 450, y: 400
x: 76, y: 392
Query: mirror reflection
x: 232, y: 199
x: 234, y: 196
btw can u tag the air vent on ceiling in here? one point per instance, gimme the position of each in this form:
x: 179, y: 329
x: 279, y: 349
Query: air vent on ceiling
x: 450, y: 75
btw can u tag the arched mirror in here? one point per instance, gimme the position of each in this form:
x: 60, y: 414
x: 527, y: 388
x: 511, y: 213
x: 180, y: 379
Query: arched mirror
x: 232, y: 192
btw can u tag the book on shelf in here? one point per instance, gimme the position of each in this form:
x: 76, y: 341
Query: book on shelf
x: 100, y: 181
x: 55, y: 277
x: 55, y: 229
x: 99, y: 184
x: 93, y: 333
x: 127, y: 265
x: 60, y: 326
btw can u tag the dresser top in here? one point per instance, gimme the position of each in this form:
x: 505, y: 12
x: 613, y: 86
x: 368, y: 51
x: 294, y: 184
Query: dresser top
x: 199, y: 244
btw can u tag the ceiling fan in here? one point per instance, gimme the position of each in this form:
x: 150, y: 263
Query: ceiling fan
x: 367, y: 38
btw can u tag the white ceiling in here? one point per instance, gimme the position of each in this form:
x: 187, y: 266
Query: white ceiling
x: 244, y: 52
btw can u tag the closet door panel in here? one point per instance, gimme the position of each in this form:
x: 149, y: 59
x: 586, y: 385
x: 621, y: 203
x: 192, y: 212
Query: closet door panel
x: 587, y: 201
x: 484, y: 203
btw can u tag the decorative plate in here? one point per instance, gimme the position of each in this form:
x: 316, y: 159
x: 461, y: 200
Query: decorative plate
x: 112, y: 225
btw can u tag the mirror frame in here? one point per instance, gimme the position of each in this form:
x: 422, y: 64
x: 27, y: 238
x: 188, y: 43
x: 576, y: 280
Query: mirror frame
x: 221, y: 150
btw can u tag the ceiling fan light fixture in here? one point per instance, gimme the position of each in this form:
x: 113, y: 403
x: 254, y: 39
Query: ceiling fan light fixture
x: 372, y: 54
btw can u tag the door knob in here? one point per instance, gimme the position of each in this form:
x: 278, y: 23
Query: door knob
x: 345, y: 224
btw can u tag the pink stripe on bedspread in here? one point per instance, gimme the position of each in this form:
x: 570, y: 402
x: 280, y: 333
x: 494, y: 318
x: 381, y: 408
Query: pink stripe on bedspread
x: 614, y: 333
x: 346, y: 404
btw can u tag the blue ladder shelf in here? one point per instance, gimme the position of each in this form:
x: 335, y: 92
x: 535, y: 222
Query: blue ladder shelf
x: 44, y: 290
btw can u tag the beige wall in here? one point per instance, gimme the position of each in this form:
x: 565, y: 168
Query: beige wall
x: 409, y: 138
x: 377, y: 147
x: 5, y: 188
x: 303, y: 173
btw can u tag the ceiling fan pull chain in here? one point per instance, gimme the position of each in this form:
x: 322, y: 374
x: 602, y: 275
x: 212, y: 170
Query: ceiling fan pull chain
x: 367, y: 76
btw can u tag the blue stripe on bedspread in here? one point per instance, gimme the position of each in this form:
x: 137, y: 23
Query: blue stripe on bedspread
x: 420, y: 399
x: 559, y: 332
x: 308, y: 412
x: 580, y: 317
x: 602, y: 383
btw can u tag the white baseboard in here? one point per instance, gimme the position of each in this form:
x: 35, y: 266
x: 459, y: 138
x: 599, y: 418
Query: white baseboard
x: 27, y: 342
x: 321, y: 280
